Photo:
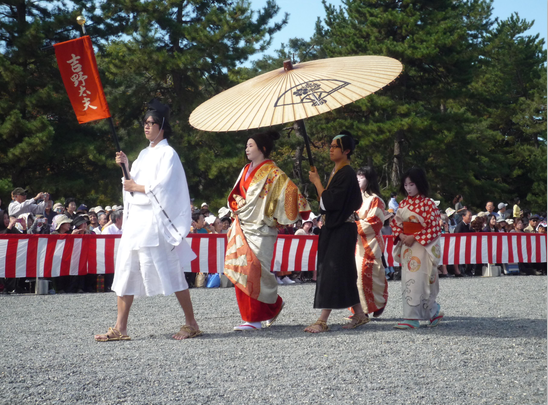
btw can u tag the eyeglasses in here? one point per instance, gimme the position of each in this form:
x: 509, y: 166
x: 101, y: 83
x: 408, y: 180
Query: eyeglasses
x: 148, y: 123
x: 334, y: 146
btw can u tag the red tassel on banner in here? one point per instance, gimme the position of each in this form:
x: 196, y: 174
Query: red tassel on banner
x: 78, y: 68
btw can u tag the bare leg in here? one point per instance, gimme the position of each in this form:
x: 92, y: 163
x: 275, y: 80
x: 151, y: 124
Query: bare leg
x: 124, y: 305
x: 184, y: 299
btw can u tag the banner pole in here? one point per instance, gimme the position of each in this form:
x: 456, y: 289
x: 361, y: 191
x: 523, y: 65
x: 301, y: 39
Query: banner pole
x: 81, y: 21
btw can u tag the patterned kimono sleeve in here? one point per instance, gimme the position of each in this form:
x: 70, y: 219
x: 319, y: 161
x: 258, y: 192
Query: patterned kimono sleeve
x: 284, y: 203
x: 372, y: 224
x: 432, y: 229
x: 397, y: 222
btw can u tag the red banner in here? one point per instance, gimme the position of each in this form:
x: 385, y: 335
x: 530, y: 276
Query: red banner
x: 78, y: 68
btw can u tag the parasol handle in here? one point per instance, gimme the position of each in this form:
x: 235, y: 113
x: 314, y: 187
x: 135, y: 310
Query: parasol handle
x: 302, y: 131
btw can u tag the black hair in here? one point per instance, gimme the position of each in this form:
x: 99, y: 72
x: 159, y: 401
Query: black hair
x: 160, y: 113
x: 393, y: 194
x: 265, y: 141
x: 346, y: 142
x: 371, y: 176
x: 196, y: 215
x: 417, y: 176
x: 68, y: 201
x: 516, y: 200
x: 456, y: 199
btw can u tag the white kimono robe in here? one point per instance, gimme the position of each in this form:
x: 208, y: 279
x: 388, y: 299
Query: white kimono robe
x: 418, y: 216
x: 153, y: 250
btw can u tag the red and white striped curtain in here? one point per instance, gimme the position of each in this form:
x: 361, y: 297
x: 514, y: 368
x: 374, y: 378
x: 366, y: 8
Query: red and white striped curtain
x: 63, y: 255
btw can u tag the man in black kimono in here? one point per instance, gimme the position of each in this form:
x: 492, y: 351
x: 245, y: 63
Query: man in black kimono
x: 337, y: 275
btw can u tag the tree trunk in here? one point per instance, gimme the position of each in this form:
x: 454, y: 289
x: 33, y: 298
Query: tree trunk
x: 397, y: 159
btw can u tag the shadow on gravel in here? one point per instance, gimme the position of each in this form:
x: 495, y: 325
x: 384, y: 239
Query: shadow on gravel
x: 506, y: 328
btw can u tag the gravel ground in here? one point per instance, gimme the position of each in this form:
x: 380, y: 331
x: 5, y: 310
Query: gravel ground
x: 490, y: 349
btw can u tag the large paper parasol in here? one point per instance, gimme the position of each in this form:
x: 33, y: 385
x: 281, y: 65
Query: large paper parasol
x: 294, y: 93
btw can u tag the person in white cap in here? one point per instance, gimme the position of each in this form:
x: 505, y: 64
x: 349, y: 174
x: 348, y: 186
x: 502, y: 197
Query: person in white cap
x: 153, y: 249
x: 502, y: 211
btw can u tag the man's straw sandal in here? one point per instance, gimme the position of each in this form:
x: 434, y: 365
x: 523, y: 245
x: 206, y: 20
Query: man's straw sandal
x: 111, y: 335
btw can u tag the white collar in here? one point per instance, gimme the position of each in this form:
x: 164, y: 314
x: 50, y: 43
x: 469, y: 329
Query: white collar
x: 163, y: 142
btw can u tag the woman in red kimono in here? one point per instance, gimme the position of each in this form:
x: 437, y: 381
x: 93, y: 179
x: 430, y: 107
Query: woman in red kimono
x: 262, y: 198
x: 417, y: 231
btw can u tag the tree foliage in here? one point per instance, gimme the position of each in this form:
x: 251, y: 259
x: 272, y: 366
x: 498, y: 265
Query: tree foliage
x: 469, y: 107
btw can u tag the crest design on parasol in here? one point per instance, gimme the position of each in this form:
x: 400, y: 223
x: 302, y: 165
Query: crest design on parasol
x: 295, y: 92
x: 312, y: 92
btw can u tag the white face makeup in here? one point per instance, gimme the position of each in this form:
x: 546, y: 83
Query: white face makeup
x: 362, y: 181
x: 252, y: 151
x: 410, y: 187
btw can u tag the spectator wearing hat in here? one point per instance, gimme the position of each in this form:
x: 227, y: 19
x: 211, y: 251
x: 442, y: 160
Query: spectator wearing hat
x: 451, y: 221
x: 80, y: 225
x: 20, y: 204
x: 70, y: 208
x: 62, y: 225
x: 541, y: 227
x: 58, y: 209
x: 509, y: 225
x: 533, y: 222
x: 115, y: 228
x: 216, y: 226
x: 393, y: 203
x: 503, y: 213
x: 82, y: 209
x: 306, y: 229
x: 205, y: 210
x: 501, y: 224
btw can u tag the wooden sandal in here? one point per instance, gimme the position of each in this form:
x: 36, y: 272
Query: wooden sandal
x: 111, y: 336
x: 189, y: 332
x: 322, y: 324
x: 355, y: 322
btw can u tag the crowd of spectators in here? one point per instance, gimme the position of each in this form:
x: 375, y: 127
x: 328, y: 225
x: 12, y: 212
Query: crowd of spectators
x: 40, y: 215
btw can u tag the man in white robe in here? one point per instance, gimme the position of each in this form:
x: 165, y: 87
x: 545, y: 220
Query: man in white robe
x: 153, y: 251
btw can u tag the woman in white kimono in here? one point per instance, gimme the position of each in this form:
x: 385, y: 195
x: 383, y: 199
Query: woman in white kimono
x: 417, y: 232
x: 262, y: 198
x: 153, y: 250
x: 372, y: 283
